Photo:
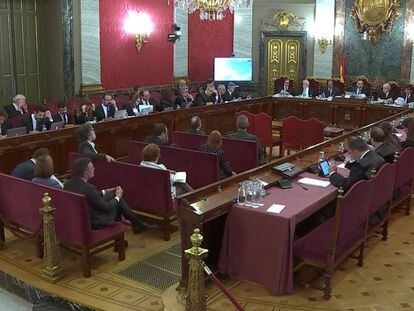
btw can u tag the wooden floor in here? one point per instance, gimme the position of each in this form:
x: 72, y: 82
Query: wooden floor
x: 385, y: 283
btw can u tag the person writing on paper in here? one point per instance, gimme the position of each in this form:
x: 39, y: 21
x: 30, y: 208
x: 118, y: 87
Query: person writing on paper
x: 360, y: 165
x: 408, y: 125
x: 151, y: 155
x: 86, y: 148
x: 213, y: 145
x: 384, y: 148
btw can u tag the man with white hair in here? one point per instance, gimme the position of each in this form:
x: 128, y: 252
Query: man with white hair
x: 222, y: 96
x: 18, y: 107
x: 195, y: 126
x: 306, y: 91
x: 387, y: 93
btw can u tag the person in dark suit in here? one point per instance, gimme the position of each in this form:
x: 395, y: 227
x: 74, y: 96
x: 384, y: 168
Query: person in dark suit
x: 5, y: 124
x: 86, y: 148
x: 360, y: 89
x: 390, y: 137
x: 307, y: 91
x: 408, y: 125
x: 159, y: 135
x: 241, y: 133
x: 408, y: 94
x: 166, y: 100
x: 62, y: 114
x: 146, y: 99
x: 384, y: 148
x: 222, y: 95
x: 195, y: 126
x: 37, y: 121
x: 107, y: 109
x: 362, y: 162
x: 233, y: 91
x: 184, y: 99
x: 18, y: 107
x: 132, y: 107
x: 330, y: 90
x: 181, y: 84
x: 206, y: 97
x: 106, y: 206
x: 25, y: 170
x: 387, y: 93
x: 286, y: 89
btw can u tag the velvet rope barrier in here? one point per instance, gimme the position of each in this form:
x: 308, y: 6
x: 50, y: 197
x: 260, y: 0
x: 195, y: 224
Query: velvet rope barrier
x: 222, y: 288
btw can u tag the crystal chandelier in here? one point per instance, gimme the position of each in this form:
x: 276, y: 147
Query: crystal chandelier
x: 212, y: 9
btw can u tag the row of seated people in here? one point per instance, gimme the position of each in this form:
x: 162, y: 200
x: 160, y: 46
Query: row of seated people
x: 406, y: 97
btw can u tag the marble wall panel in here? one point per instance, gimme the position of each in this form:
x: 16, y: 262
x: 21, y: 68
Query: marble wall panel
x: 68, y: 52
x: 243, y: 32
x: 181, y: 45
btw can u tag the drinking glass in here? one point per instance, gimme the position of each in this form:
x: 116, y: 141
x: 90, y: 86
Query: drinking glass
x: 241, y: 195
x: 249, y: 193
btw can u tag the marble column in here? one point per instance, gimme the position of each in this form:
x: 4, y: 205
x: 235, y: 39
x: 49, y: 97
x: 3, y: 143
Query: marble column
x: 181, y: 45
x: 90, y: 47
x: 412, y: 67
x: 68, y: 53
x: 243, y: 28
x: 324, y: 28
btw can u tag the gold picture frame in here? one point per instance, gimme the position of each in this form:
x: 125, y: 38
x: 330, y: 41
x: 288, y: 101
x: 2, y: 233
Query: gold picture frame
x: 375, y: 17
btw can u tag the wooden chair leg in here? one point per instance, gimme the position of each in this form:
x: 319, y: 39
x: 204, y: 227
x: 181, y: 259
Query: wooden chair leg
x: 86, y: 261
x: 385, y: 230
x: 361, y: 254
x: 166, y: 225
x: 39, y: 246
x: 327, y: 290
x: 120, y: 242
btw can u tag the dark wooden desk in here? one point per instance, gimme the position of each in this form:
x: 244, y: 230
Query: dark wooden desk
x: 207, y: 207
x: 113, y: 135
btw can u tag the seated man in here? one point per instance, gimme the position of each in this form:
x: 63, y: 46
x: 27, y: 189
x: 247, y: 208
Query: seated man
x: 195, y: 126
x: 184, y: 99
x: 408, y: 94
x: 62, y: 114
x: 159, y: 135
x: 86, y: 148
x: 181, y: 84
x: 222, y: 96
x: 384, y: 148
x: 107, y: 109
x: 361, y: 164
x: 233, y: 91
x: 241, y: 133
x: 145, y: 99
x: 408, y: 126
x: 106, y: 206
x: 286, y: 89
x: 306, y: 91
x: 330, y: 90
x: 25, y: 170
x: 206, y: 97
x: 360, y: 89
x: 151, y: 155
x: 18, y: 107
x: 387, y: 93
x: 5, y: 124
x: 38, y: 121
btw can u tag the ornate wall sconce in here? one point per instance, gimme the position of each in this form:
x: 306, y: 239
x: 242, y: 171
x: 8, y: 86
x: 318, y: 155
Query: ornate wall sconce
x: 139, y: 25
x: 323, y: 44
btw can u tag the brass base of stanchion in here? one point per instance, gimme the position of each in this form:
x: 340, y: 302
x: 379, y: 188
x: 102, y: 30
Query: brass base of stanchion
x: 52, y: 275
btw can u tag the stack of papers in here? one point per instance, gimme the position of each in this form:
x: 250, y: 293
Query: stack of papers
x: 314, y: 182
x: 276, y: 208
x: 180, y: 177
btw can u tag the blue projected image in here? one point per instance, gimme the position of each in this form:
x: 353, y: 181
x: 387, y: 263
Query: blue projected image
x: 232, y: 69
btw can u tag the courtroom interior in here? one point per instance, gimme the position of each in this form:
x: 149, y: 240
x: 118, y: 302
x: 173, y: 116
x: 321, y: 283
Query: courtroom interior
x: 197, y: 155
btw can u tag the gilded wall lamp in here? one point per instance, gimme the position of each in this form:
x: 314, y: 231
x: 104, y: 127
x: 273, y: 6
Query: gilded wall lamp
x: 323, y: 35
x: 139, y: 25
x: 323, y: 44
x: 375, y: 17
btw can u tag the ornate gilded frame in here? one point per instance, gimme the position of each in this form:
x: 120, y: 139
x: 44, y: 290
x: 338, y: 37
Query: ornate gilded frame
x: 375, y: 17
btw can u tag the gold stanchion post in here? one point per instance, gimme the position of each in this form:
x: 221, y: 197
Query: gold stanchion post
x: 196, y: 296
x: 52, y: 271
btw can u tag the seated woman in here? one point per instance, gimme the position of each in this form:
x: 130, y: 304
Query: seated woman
x: 408, y: 125
x: 85, y: 111
x: 151, y: 154
x: 43, y: 172
x: 86, y: 148
x: 213, y: 145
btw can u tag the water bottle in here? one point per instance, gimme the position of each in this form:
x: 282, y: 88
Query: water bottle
x: 241, y: 195
x: 249, y: 193
x: 44, y: 128
x: 257, y: 185
x: 341, y: 148
x: 321, y: 156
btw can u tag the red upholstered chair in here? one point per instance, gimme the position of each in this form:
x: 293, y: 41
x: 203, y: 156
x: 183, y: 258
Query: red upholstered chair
x: 15, y: 122
x: 383, y: 187
x: 330, y: 243
x: 404, y: 179
x: 234, y: 148
x: 263, y: 131
x: 250, y: 117
x: 395, y: 88
x: 292, y: 134
x: 187, y: 140
x: 313, y: 132
x: 314, y: 85
x: 155, y: 97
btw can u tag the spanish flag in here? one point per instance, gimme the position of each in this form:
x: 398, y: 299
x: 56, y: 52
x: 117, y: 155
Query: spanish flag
x: 342, y: 67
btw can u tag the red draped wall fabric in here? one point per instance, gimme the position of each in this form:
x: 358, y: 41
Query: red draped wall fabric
x: 206, y: 40
x: 121, y: 65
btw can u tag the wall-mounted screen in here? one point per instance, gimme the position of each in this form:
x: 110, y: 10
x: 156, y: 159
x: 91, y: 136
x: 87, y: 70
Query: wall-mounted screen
x: 233, y: 69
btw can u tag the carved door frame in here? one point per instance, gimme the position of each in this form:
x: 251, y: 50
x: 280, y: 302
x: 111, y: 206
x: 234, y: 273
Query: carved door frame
x: 267, y: 35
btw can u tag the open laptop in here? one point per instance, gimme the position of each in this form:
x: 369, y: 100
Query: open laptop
x: 120, y: 114
x: 57, y: 125
x: 145, y: 109
x: 17, y: 131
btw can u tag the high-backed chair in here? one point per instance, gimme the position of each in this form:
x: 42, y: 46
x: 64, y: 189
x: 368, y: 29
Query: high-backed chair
x: 395, y: 88
x: 250, y: 117
x: 367, y: 84
x: 292, y: 133
x: 263, y: 131
x: 314, y: 85
x: 330, y: 243
x: 404, y: 179
x: 313, y: 132
x: 279, y: 83
x: 340, y: 85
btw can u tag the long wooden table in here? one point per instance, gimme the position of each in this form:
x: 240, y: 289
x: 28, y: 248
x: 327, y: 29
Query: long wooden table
x: 206, y: 208
x: 113, y: 135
